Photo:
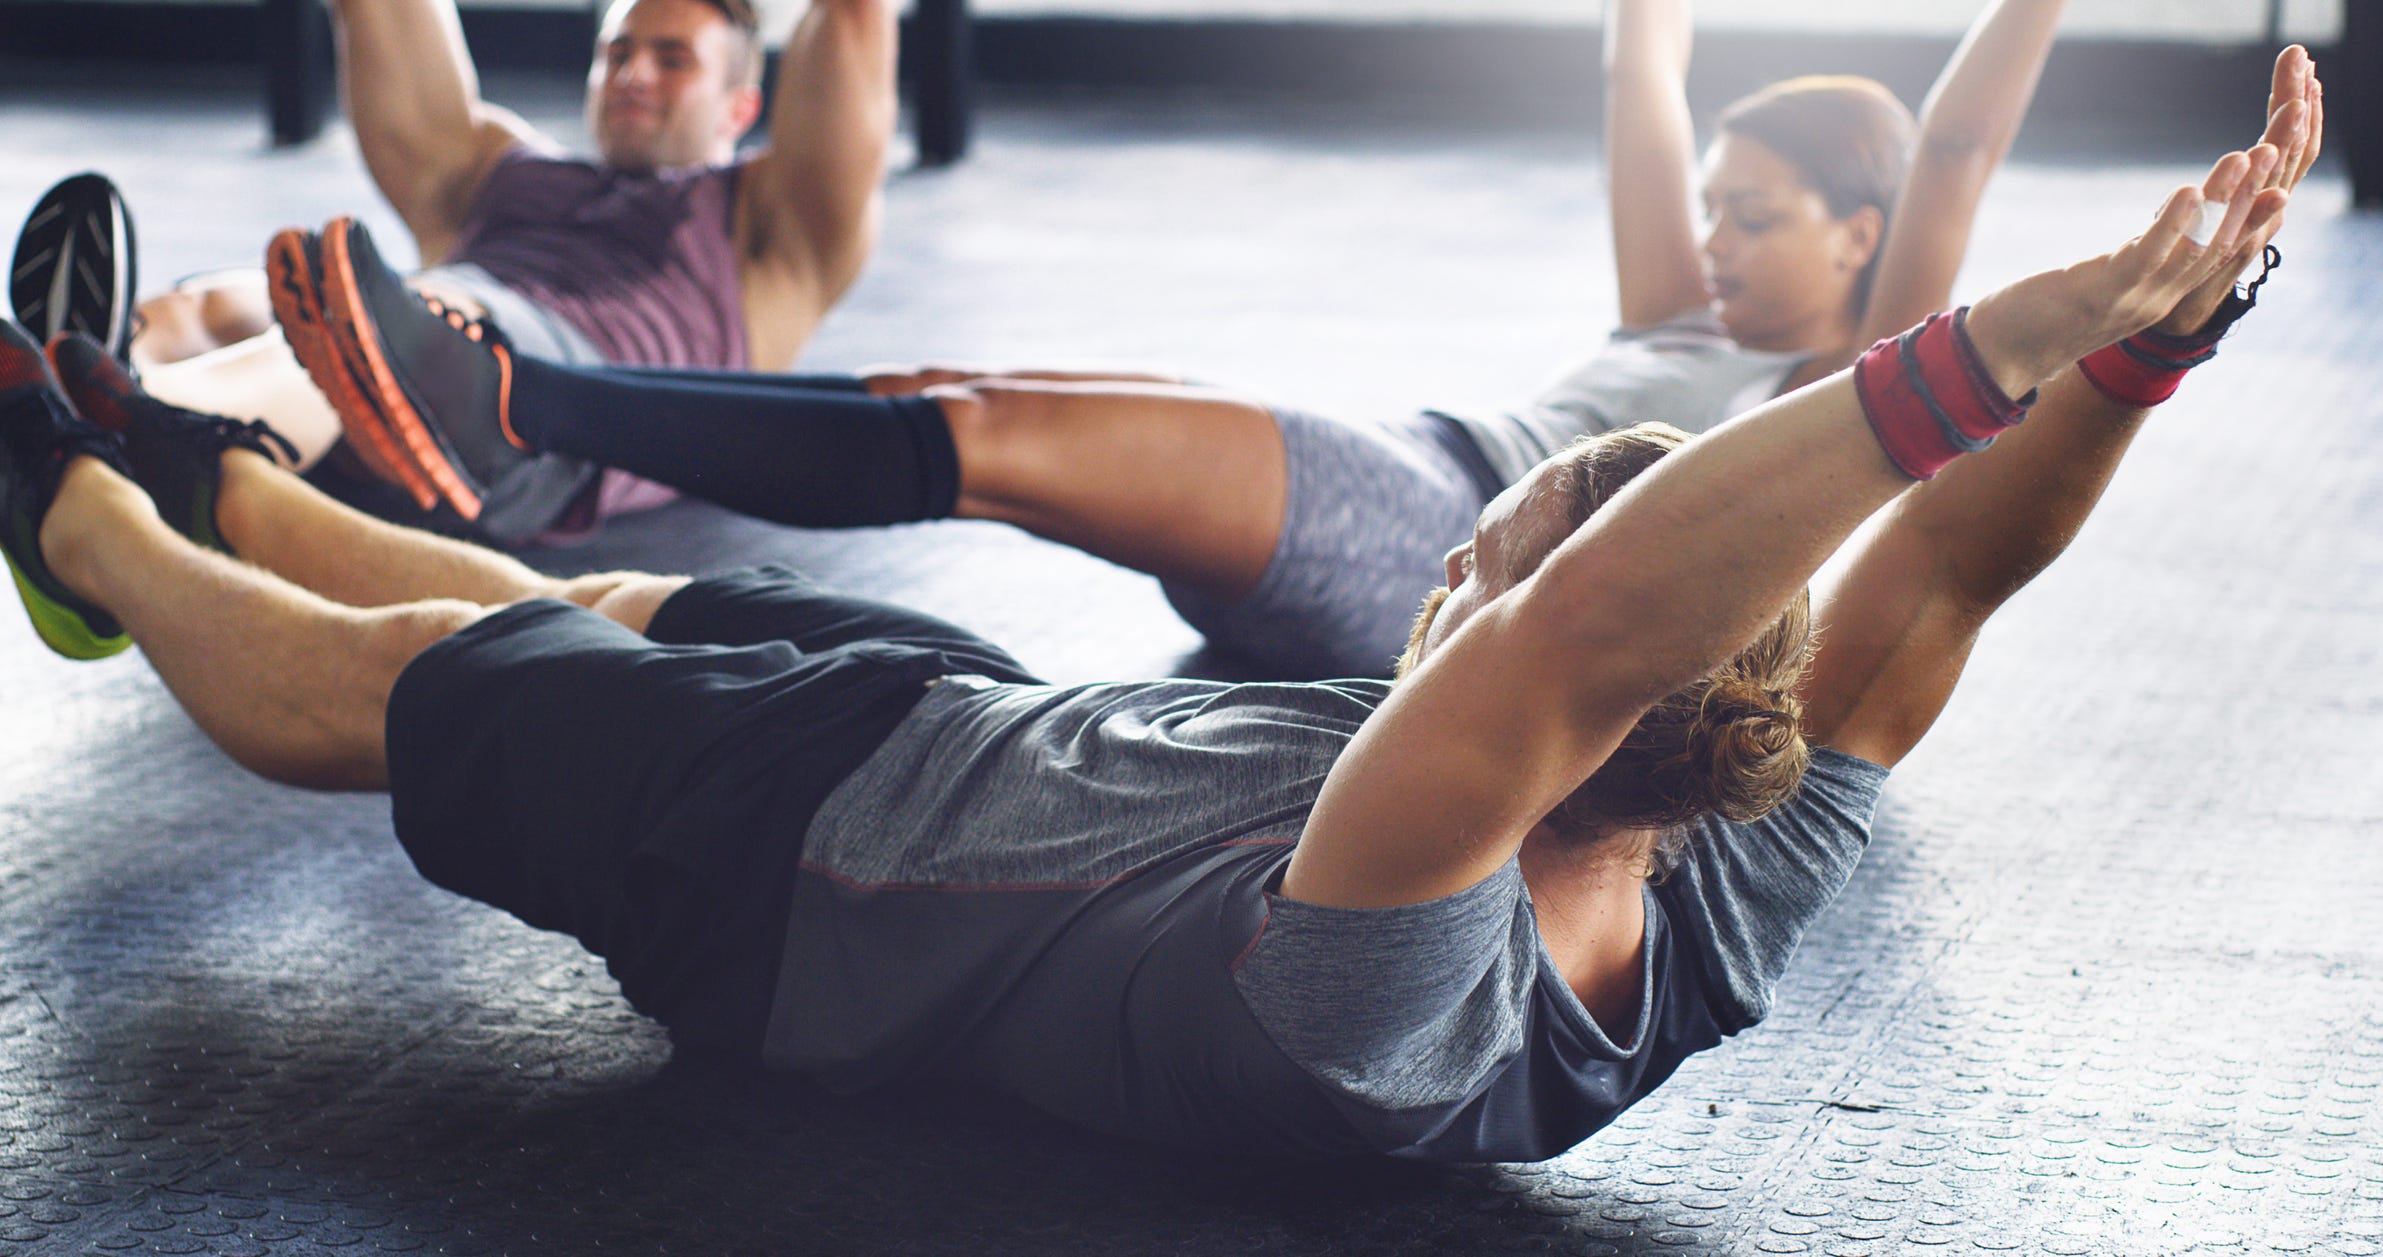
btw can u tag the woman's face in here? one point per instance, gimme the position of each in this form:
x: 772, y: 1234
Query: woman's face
x: 1781, y: 268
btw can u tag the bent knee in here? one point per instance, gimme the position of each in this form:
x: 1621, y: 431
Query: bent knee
x: 628, y: 599
x: 395, y: 635
x: 1004, y: 433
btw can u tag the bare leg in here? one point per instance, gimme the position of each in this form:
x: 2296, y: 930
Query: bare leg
x: 257, y: 378
x: 291, y: 685
x: 1182, y: 483
x: 288, y: 527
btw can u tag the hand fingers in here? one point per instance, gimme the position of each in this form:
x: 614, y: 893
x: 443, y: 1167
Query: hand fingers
x: 2265, y: 159
x: 2170, y: 228
x: 2232, y: 171
x: 2288, y: 132
x: 2184, y: 247
x: 2291, y: 70
x: 2308, y: 157
x: 2266, y: 218
x: 2295, y: 81
x: 2219, y: 191
x: 2241, y: 198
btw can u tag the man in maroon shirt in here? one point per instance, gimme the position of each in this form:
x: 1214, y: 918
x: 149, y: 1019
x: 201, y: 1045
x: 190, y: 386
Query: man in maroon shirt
x: 735, y: 261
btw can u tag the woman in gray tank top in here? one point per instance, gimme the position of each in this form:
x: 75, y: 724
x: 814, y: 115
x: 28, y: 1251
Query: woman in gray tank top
x: 1304, y: 541
x: 1829, y: 219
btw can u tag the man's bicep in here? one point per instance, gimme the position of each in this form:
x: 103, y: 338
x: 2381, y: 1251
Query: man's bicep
x: 439, y: 194
x: 812, y: 195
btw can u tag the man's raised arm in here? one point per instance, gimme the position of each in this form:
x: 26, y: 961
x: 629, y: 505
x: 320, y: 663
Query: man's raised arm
x: 1526, y: 697
x: 414, y: 100
x: 809, y: 204
x: 1899, y: 622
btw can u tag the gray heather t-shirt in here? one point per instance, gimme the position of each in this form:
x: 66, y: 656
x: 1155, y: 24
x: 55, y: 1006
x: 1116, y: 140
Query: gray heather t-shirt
x: 1687, y: 373
x: 1066, y: 894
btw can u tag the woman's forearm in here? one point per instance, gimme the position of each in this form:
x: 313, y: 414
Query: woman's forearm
x: 1970, y: 118
x: 1977, y: 102
x: 1647, y: 37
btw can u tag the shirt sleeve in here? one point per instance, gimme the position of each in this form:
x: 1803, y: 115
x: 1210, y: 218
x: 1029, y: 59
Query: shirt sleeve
x: 1744, y: 894
x: 1399, y: 1009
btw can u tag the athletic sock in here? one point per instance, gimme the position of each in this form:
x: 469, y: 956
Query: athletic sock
x: 813, y: 458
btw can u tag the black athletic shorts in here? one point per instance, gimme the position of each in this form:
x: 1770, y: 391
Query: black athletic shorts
x: 649, y: 795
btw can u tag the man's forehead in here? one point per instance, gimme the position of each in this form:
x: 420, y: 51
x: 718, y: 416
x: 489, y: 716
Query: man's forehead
x: 661, y: 19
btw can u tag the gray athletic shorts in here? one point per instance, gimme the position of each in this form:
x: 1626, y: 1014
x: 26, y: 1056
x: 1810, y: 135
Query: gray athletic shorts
x: 1371, y: 515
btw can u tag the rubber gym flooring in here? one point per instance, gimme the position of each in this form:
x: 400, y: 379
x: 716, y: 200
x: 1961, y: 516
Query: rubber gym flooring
x: 2109, y: 982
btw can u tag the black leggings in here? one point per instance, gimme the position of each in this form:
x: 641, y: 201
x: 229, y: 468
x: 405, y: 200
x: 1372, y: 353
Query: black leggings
x: 811, y: 450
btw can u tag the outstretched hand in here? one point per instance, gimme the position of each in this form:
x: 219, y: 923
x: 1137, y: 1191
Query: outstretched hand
x: 2296, y: 128
x: 2030, y: 330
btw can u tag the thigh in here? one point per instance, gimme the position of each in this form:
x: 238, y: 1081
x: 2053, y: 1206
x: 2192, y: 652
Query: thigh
x: 777, y: 604
x: 1184, y: 483
x: 1369, y: 516
x: 648, y: 798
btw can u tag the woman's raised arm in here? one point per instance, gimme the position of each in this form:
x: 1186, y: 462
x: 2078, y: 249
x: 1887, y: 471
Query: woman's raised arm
x: 1966, y: 126
x: 1650, y: 159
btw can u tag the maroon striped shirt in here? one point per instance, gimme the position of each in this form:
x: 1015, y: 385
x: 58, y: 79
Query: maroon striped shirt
x: 644, y: 266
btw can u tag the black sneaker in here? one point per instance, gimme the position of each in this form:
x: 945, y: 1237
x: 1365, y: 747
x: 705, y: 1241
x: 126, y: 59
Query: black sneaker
x: 175, y: 454
x: 39, y: 435
x: 73, y: 269
x: 435, y: 383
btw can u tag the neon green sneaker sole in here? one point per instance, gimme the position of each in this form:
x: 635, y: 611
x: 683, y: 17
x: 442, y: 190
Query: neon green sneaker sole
x: 60, y: 628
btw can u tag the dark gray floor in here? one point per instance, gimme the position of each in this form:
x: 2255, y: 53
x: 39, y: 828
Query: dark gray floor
x: 2109, y: 982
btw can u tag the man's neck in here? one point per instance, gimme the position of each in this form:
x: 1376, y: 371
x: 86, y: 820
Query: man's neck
x: 1591, y: 908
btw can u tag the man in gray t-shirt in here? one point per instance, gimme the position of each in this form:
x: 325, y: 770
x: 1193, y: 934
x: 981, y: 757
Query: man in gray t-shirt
x: 1472, y: 914
x: 1442, y: 1028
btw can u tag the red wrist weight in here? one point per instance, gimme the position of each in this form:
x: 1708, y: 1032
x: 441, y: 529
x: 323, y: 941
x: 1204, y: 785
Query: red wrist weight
x: 1929, y: 397
x: 2144, y: 369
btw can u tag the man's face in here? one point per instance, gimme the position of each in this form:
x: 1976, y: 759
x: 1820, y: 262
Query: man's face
x: 664, y: 90
x: 1515, y: 532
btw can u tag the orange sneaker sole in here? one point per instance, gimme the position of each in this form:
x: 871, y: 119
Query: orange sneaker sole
x: 350, y: 325
x: 295, y: 291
